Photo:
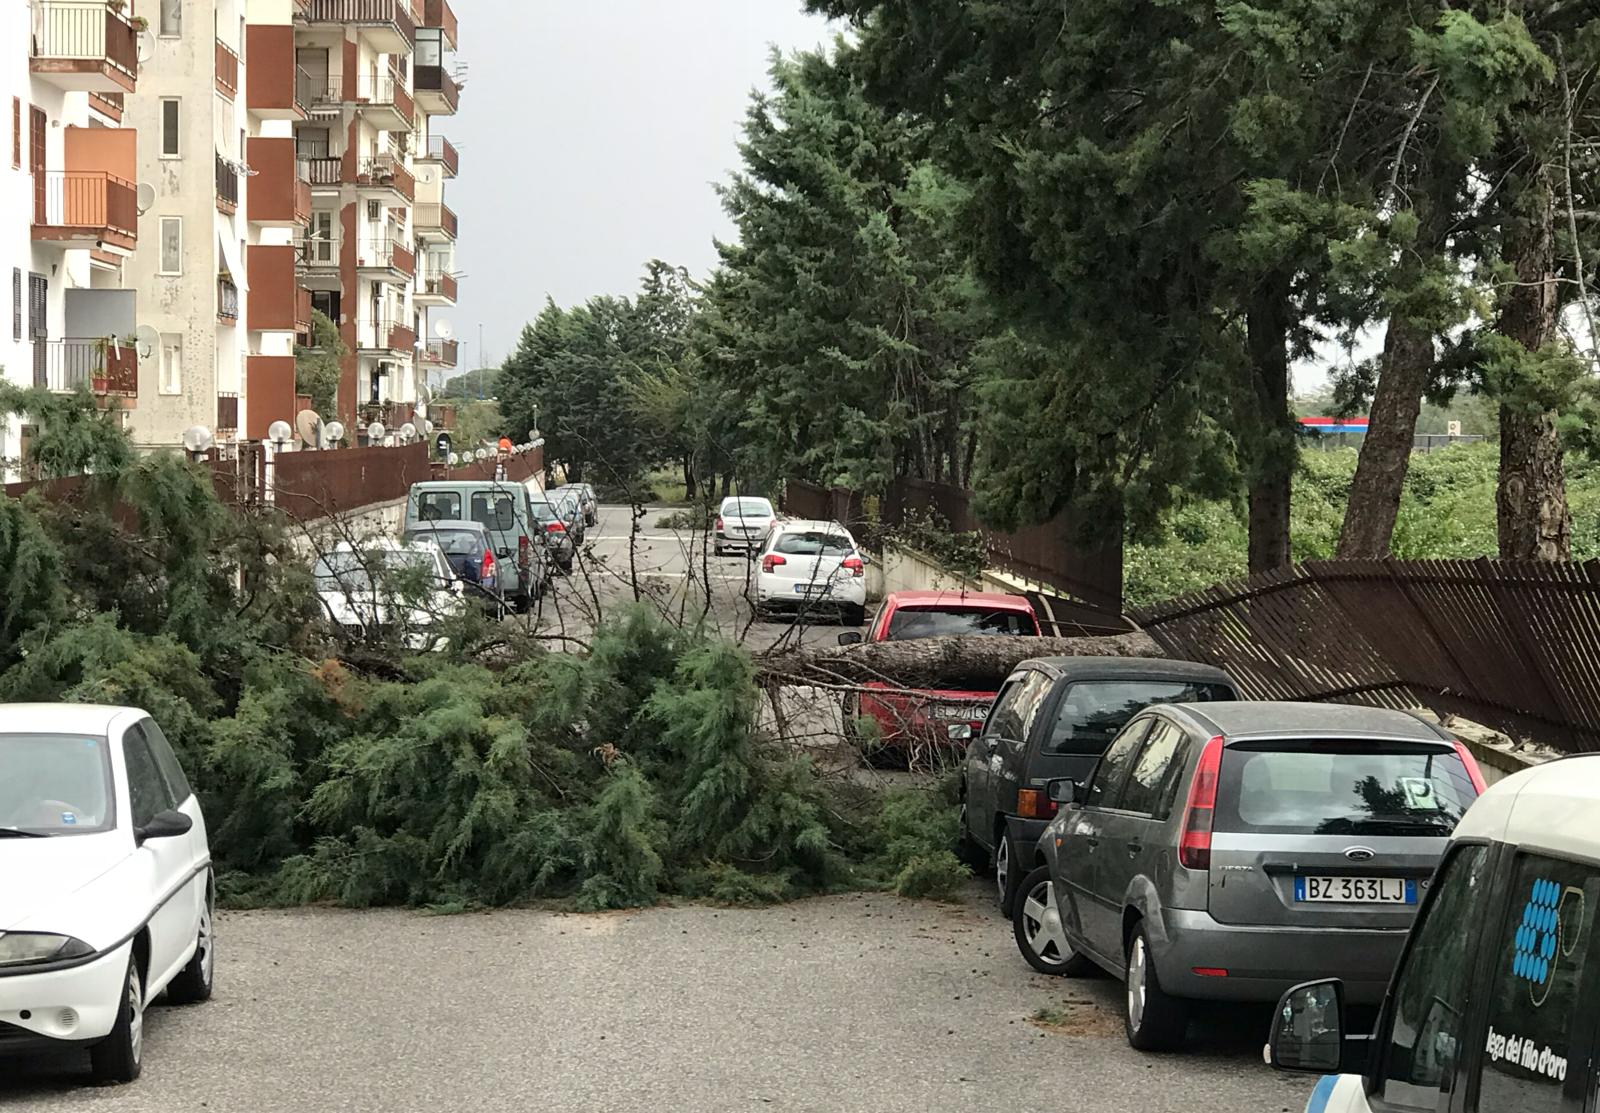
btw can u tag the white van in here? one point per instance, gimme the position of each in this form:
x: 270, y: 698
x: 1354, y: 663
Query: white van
x: 1495, y: 1004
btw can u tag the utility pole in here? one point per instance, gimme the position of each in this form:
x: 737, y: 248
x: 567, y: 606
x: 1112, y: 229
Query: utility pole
x: 483, y: 362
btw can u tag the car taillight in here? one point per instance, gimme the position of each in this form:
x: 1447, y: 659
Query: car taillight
x: 524, y: 548
x: 1033, y: 804
x: 556, y: 527
x: 1472, y: 766
x: 486, y: 573
x: 719, y: 525
x: 854, y: 566
x: 771, y: 561
x: 1194, y: 848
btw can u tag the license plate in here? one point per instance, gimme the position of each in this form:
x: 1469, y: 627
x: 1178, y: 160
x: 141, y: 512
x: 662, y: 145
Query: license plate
x: 966, y: 713
x: 1355, y: 890
x: 810, y: 589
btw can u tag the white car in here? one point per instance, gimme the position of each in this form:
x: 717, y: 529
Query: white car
x: 811, y: 566
x: 390, y: 587
x: 741, y: 523
x: 1492, y: 1006
x: 106, y: 893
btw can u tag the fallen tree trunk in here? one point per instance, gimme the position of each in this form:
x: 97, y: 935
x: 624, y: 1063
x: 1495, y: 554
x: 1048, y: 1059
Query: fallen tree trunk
x: 978, y: 664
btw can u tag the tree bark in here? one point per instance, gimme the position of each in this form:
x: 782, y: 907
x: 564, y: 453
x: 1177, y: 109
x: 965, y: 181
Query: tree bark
x: 1531, y: 501
x: 1272, y: 455
x: 689, y: 488
x: 975, y: 664
x: 1386, y: 451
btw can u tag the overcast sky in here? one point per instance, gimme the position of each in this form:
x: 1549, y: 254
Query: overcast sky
x: 591, y: 132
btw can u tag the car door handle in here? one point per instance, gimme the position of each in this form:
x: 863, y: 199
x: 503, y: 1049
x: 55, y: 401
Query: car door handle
x: 1134, y: 847
x: 1092, y: 840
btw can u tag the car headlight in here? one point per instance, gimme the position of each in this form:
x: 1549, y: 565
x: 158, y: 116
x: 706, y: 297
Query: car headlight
x: 20, y: 948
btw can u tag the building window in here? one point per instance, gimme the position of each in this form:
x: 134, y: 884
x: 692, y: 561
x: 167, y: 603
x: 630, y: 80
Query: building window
x: 172, y: 245
x: 171, y: 19
x: 16, y: 133
x: 171, y: 363
x: 16, y: 303
x: 170, y: 146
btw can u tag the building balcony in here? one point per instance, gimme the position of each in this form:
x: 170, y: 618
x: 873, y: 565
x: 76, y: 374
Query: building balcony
x: 438, y: 13
x: 109, y: 105
x: 280, y: 192
x: 324, y: 172
x: 83, y: 45
x: 440, y: 353
x: 318, y: 91
x: 85, y: 207
x: 227, y: 413
x: 103, y: 367
x: 385, y: 174
x: 435, y: 220
x: 385, y: 338
x: 391, y: 415
x: 436, y: 289
x: 387, y: 25
x: 437, y: 91
x: 277, y: 303
x: 227, y: 70
x: 443, y: 154
x: 227, y: 301
x: 273, y: 86
x: 384, y: 102
x: 387, y: 254
x: 269, y: 391
x: 316, y: 254
x: 227, y: 187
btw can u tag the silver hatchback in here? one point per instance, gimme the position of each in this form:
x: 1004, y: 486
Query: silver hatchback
x: 1229, y: 851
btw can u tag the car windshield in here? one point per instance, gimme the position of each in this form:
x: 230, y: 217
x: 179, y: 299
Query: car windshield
x: 55, y: 784
x: 1091, y: 712
x: 454, y: 542
x: 1343, y: 788
x: 815, y: 543
x: 909, y: 623
x: 350, y: 571
x: 747, y: 508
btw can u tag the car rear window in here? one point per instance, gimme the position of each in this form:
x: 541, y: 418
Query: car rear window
x: 543, y: 512
x: 496, y: 512
x: 1091, y: 712
x: 455, y: 542
x: 439, y: 506
x: 747, y: 508
x: 1343, y: 788
x: 910, y: 623
x: 814, y: 543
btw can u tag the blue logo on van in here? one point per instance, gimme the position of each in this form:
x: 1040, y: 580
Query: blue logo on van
x: 1536, y: 938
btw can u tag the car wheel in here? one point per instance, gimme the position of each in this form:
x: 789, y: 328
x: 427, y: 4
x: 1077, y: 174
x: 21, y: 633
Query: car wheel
x: 967, y: 848
x: 193, y: 983
x: 1005, y: 879
x: 1041, y: 936
x: 566, y: 567
x: 119, y: 1057
x: 1154, y: 1021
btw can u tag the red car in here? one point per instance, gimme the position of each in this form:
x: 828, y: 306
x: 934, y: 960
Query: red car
x: 926, y: 717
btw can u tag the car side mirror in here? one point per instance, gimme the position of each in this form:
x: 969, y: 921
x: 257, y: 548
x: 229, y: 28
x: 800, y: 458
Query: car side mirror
x: 163, y: 825
x: 850, y: 637
x: 1065, y: 790
x: 1308, y: 1033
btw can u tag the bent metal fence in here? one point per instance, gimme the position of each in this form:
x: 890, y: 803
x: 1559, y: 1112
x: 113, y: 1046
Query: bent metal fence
x: 1514, y: 645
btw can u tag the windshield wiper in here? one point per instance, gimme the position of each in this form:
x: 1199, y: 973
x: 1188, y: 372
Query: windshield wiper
x: 15, y: 833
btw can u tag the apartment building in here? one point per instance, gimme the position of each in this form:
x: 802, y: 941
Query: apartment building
x: 68, y: 203
x: 377, y: 78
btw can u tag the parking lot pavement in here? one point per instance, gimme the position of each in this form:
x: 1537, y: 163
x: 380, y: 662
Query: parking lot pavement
x: 850, y: 1003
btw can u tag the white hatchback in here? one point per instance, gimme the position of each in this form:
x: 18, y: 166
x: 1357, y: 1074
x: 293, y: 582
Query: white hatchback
x: 106, y: 892
x: 811, y: 566
x: 387, y: 587
x: 742, y: 521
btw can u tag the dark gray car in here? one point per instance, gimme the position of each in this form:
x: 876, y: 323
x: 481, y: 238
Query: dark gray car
x: 1054, y: 717
x: 470, y: 549
x: 1229, y: 851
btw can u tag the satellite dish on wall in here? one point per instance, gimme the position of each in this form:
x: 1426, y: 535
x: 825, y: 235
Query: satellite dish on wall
x: 333, y: 432
x: 375, y: 431
x: 144, y: 197
x: 444, y: 330
x: 279, y: 431
x: 420, y: 409
x: 147, y: 46
x: 197, y: 438
x: 146, y: 340
x: 306, y: 424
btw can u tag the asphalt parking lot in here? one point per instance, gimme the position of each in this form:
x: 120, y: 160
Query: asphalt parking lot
x: 850, y: 1003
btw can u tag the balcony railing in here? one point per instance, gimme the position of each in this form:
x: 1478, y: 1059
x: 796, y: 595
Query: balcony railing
x: 227, y: 70
x: 227, y: 187
x: 437, y: 79
x: 108, y: 104
x: 390, y: 253
x: 227, y: 301
x: 440, y: 285
x: 302, y: 311
x: 104, y: 367
x: 392, y: 415
x: 324, y: 171
x: 318, y: 90
x: 439, y: 216
x: 389, y: 172
x: 440, y: 353
x: 317, y: 252
x: 438, y: 13
x: 81, y: 36
x: 385, y: 90
x: 90, y: 202
x: 391, y: 13
x: 227, y: 412
x: 386, y: 336
x: 442, y: 151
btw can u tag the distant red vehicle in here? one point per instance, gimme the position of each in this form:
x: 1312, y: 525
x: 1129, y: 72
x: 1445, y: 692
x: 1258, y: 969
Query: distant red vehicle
x: 926, y: 717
